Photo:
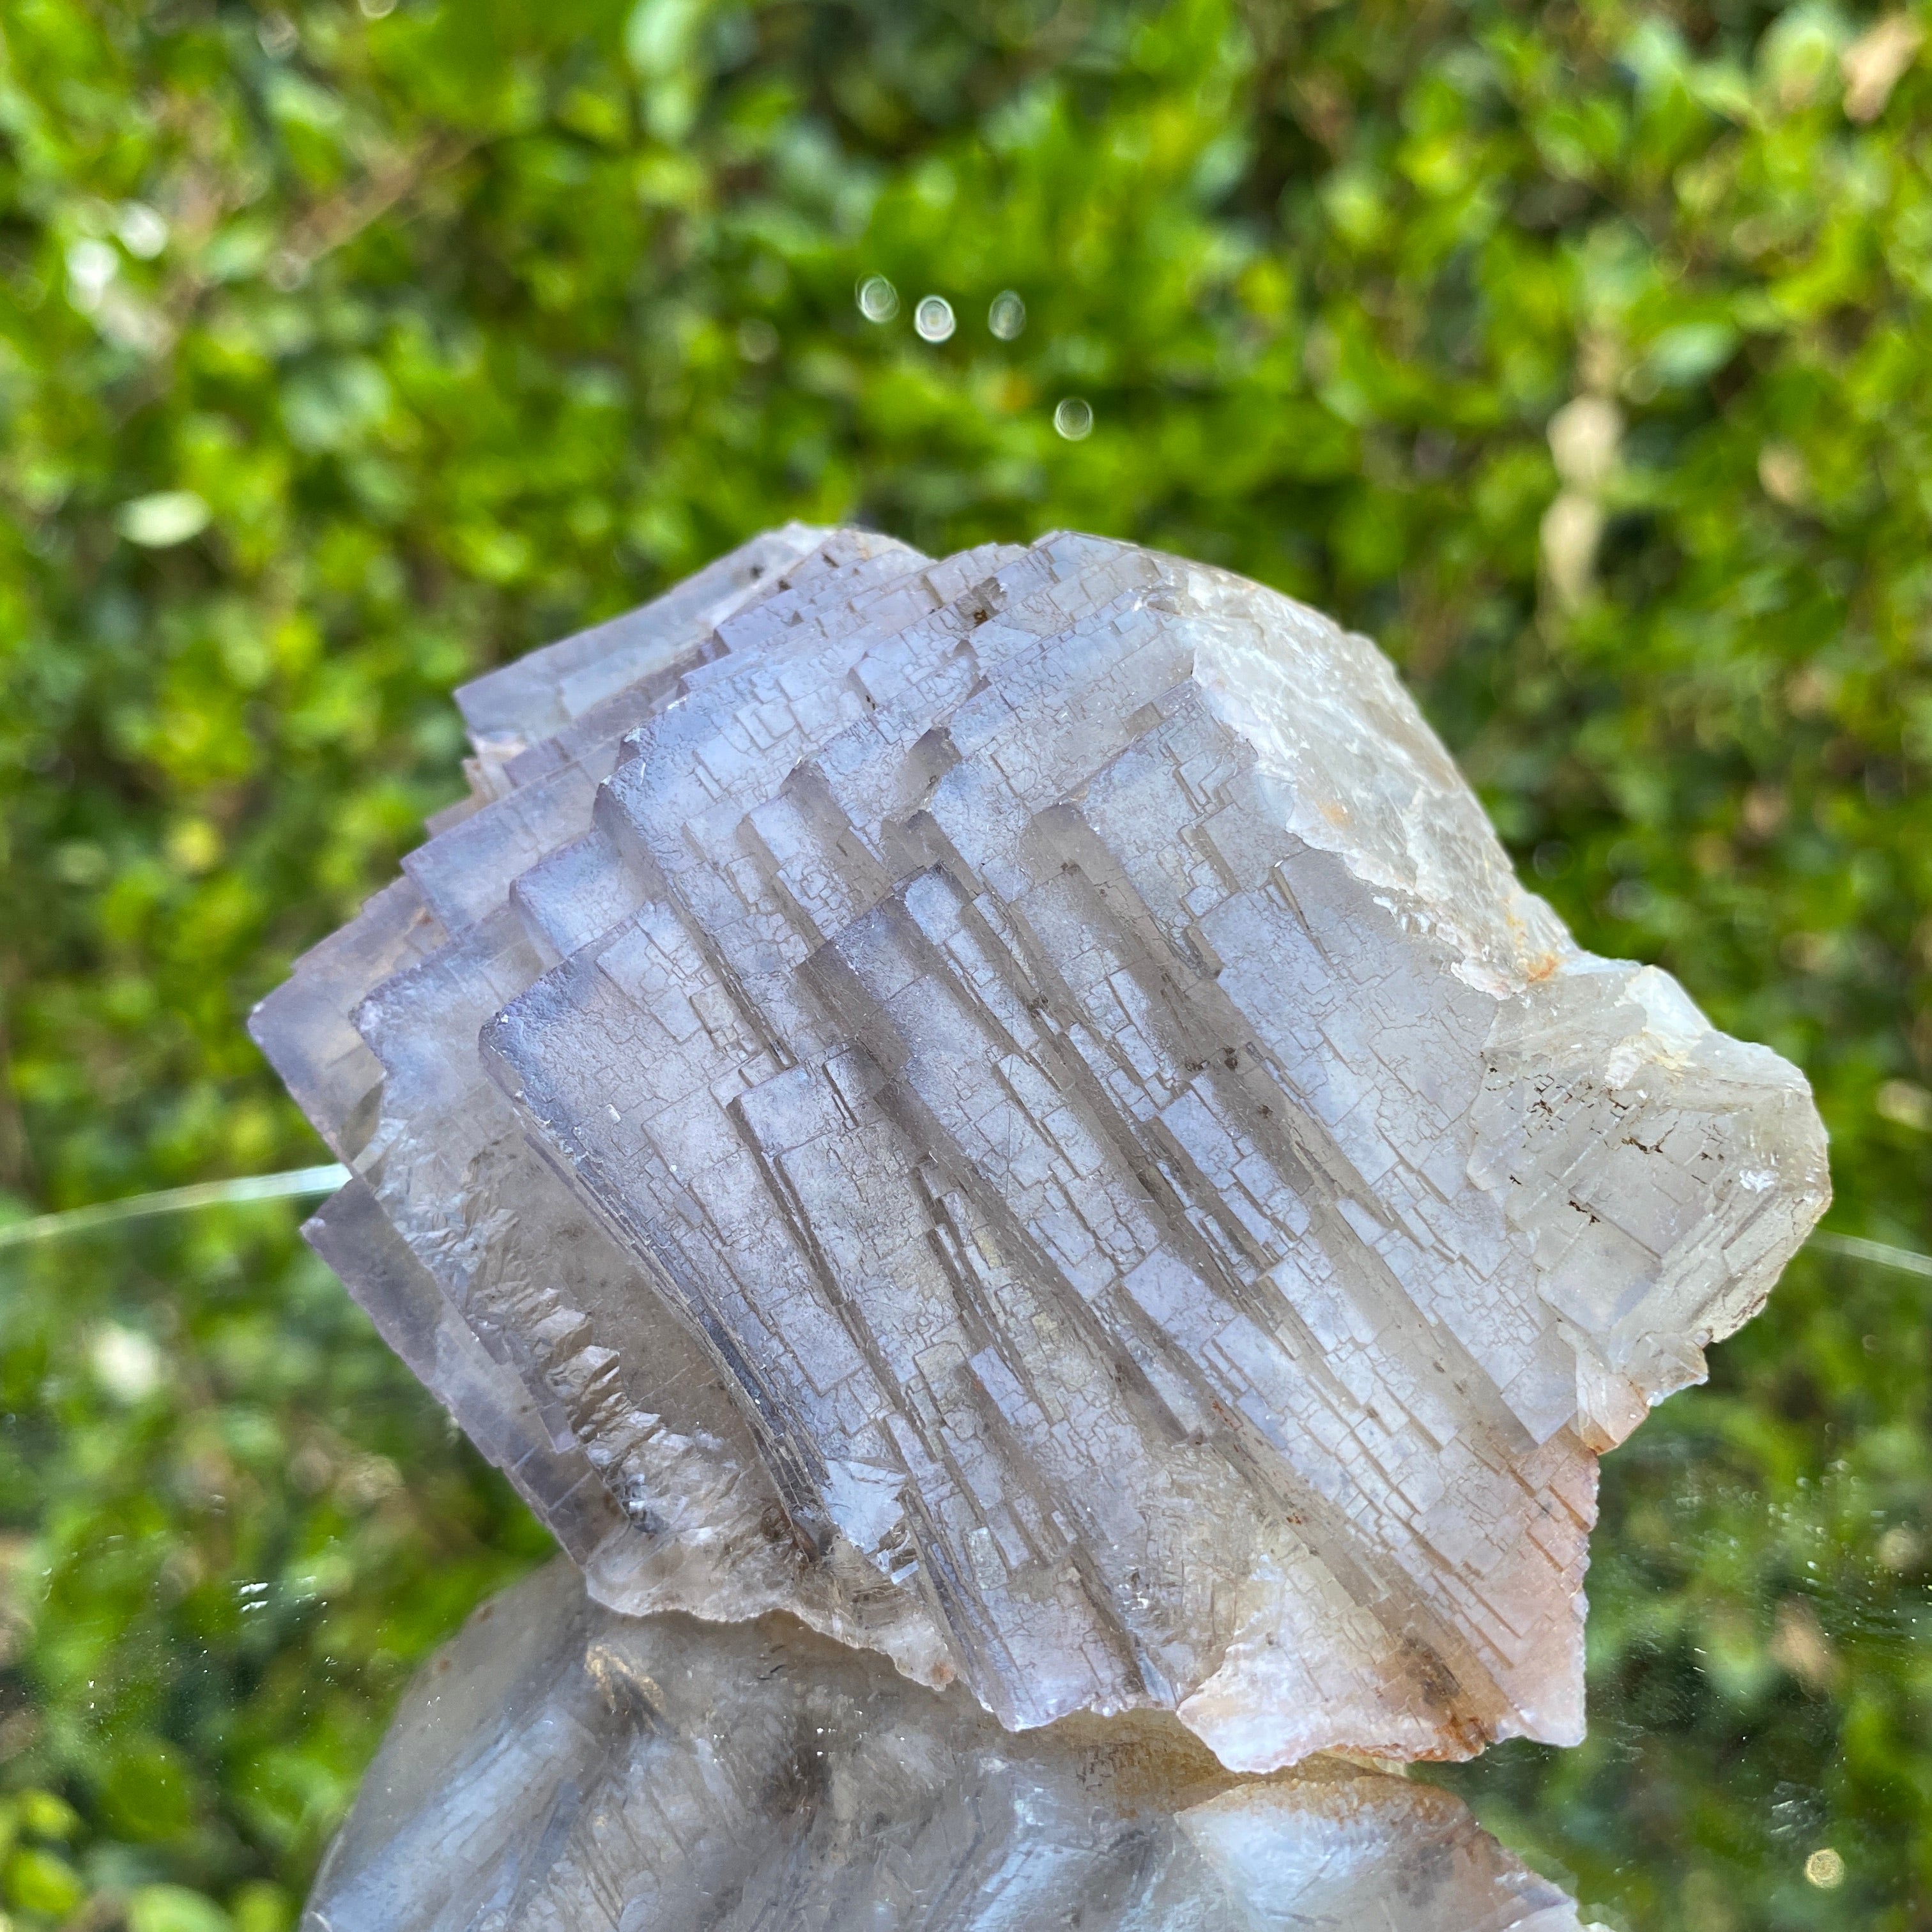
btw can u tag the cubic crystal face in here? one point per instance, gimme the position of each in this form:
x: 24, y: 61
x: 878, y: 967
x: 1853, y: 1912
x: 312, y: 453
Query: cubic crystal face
x: 561, y: 1767
x: 1014, y: 1108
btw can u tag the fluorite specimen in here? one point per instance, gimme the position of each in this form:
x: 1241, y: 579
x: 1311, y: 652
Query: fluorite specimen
x: 1014, y: 1108
x: 562, y: 1767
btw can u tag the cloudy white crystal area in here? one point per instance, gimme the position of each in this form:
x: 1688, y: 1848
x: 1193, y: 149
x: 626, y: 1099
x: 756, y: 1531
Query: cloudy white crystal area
x: 560, y: 1767
x: 1014, y: 1107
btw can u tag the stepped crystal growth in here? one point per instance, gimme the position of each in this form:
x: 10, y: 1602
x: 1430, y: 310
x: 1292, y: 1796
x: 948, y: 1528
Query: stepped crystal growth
x: 1013, y: 1108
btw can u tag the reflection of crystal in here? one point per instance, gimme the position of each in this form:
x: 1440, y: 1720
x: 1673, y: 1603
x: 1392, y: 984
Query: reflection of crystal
x: 559, y: 1766
x: 1022, y: 1116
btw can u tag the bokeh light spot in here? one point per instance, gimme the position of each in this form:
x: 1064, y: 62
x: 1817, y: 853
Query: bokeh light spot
x: 878, y: 300
x: 1073, y: 418
x: 1824, y: 1868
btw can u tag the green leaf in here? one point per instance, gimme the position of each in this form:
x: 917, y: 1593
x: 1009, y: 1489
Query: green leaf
x: 173, y: 1908
x: 146, y: 1792
x: 168, y: 517
x: 39, y: 1881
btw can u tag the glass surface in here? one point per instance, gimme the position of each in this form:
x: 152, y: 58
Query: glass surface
x: 1579, y: 355
x: 235, y: 1524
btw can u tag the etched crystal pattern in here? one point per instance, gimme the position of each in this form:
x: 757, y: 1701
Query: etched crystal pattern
x: 1014, y: 1107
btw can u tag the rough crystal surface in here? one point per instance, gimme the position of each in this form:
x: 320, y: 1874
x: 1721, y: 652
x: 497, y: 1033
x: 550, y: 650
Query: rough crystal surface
x: 1014, y: 1108
x: 562, y: 1767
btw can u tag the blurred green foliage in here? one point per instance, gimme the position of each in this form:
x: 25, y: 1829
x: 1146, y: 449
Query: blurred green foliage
x: 1582, y: 355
